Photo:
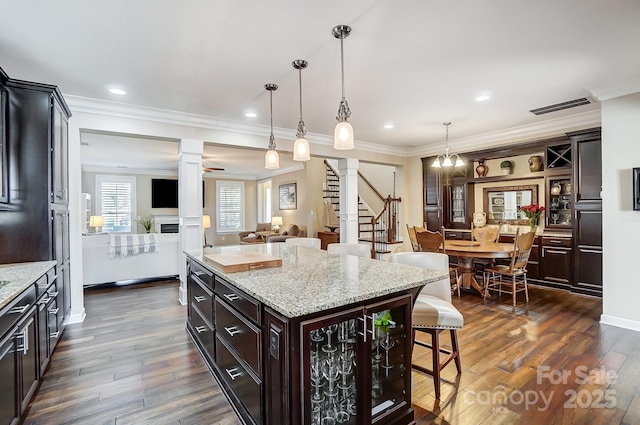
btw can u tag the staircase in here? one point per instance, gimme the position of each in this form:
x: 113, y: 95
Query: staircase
x: 378, y: 230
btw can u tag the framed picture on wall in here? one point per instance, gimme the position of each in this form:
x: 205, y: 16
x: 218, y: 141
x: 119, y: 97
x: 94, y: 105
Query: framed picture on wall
x: 636, y: 189
x: 287, y: 196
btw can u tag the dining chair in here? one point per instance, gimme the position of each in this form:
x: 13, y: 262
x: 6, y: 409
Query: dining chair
x: 308, y: 242
x: 411, y: 230
x: 485, y: 234
x: 433, y: 313
x: 516, y: 270
x: 429, y: 241
x: 357, y: 249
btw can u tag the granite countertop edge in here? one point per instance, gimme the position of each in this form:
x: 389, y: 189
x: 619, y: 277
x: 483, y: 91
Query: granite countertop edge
x: 277, y: 293
x: 19, y: 277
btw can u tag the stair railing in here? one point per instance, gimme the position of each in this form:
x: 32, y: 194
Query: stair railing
x: 386, y: 219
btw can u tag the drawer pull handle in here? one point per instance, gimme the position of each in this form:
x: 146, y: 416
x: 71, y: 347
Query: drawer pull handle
x: 54, y: 334
x: 557, y: 252
x: 199, y: 299
x: 19, y: 310
x: 44, y: 300
x: 231, y: 297
x: 554, y: 241
x: 232, y: 330
x: 53, y: 294
x: 233, y: 373
x: 201, y: 329
x: 54, y: 310
x: 199, y: 273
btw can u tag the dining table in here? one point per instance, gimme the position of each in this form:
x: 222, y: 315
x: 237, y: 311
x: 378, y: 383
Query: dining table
x: 466, y: 251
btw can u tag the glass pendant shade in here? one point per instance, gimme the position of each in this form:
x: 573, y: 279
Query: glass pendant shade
x: 301, y: 150
x: 271, y: 160
x: 343, y: 136
x: 447, y: 162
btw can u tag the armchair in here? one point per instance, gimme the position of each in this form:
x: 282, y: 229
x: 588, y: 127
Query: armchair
x: 293, y: 231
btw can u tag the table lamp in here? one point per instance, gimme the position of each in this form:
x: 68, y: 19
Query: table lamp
x: 276, y: 222
x: 206, y: 224
x: 96, y: 221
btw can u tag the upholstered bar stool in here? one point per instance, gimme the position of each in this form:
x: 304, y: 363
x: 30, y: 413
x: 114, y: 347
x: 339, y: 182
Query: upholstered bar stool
x: 308, y: 242
x: 434, y: 313
x: 358, y: 249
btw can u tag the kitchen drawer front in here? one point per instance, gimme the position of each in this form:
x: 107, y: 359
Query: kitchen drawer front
x: 203, y: 333
x: 247, y: 387
x: 240, y: 334
x: 549, y: 241
x: 238, y: 300
x: 12, y: 312
x: 201, y: 273
x: 202, y: 300
x: 456, y: 235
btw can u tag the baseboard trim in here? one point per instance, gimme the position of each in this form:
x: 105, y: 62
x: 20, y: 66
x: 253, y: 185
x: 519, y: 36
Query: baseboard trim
x: 620, y: 322
x: 76, y: 318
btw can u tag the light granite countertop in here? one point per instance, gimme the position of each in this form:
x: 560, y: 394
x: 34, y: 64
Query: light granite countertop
x: 15, y: 278
x: 311, y: 281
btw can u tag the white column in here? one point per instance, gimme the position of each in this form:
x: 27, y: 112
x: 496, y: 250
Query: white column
x: 189, y: 204
x: 348, y: 169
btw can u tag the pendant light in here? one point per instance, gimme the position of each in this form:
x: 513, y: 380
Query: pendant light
x: 301, y: 145
x: 343, y: 138
x: 271, y: 159
x: 446, y: 159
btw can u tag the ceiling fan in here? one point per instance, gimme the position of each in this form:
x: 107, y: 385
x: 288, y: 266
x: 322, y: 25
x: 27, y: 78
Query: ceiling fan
x: 206, y: 169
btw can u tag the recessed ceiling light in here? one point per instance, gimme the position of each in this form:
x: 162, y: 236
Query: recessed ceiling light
x: 483, y: 98
x: 118, y: 91
x: 250, y: 115
x: 388, y: 126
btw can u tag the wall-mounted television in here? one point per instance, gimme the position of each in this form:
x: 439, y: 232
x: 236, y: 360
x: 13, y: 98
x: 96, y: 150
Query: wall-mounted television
x: 164, y: 193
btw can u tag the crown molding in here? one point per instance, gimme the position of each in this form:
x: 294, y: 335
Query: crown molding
x: 79, y: 104
x: 518, y: 134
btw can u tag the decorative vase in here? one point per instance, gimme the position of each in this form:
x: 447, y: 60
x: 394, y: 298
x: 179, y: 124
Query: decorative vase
x: 479, y: 219
x: 482, y: 169
x: 535, y: 163
x: 533, y: 223
x: 506, y: 166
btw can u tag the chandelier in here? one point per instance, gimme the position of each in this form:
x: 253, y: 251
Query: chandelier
x: 446, y: 160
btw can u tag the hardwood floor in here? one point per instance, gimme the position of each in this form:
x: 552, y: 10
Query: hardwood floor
x: 131, y: 362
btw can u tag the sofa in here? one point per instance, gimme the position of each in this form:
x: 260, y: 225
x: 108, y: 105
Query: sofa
x: 293, y: 231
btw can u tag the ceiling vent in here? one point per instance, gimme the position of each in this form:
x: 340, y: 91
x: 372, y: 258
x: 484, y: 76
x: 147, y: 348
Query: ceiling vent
x: 563, y: 105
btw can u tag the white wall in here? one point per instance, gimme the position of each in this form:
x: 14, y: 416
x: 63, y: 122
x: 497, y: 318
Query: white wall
x: 621, y: 225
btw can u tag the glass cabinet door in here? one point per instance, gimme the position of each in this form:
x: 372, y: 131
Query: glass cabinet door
x: 388, y: 348
x: 559, y: 204
x: 330, y: 369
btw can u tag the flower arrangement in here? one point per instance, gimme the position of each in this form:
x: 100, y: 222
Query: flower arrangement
x: 533, y: 213
x: 146, y: 222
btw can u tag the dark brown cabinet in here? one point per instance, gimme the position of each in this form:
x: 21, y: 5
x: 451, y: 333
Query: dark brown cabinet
x: 34, y: 219
x: 556, y: 262
x: 8, y: 400
x: 432, y: 195
x: 458, y: 203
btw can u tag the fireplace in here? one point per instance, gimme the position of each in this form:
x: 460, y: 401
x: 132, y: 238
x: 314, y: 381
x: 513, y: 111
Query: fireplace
x: 166, y: 223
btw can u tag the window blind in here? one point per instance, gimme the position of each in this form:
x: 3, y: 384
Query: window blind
x: 116, y: 204
x: 230, y: 201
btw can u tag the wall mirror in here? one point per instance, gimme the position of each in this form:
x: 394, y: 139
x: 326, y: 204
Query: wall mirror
x: 502, y: 204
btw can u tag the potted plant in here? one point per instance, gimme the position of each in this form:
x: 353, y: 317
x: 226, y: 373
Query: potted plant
x: 146, y: 222
x: 506, y: 166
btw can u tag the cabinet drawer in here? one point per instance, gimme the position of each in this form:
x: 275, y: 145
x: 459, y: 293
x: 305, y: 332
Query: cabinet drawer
x: 242, y: 336
x: 238, y: 300
x: 203, y: 274
x: 549, y: 241
x: 247, y: 388
x: 203, y: 333
x: 13, y: 311
x: 457, y: 235
x: 202, y: 300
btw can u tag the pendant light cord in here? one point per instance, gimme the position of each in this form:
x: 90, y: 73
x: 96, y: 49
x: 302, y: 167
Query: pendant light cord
x: 300, y: 83
x: 342, y: 60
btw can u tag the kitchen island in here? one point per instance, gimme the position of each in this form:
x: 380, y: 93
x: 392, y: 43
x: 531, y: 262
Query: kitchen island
x: 321, y: 339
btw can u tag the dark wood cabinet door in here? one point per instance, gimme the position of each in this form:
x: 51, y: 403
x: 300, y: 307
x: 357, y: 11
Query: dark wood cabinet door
x: 28, y: 365
x: 8, y: 387
x: 588, y: 170
x: 59, y: 155
x: 432, y: 195
x: 556, y: 264
x: 588, y: 253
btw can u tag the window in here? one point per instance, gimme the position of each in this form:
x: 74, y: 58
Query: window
x: 264, y: 201
x: 115, y: 202
x: 230, y: 206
